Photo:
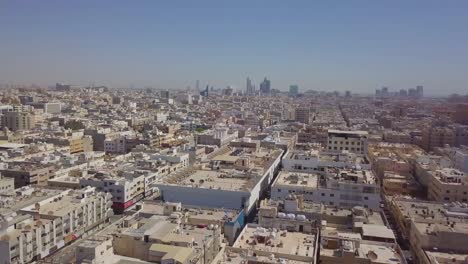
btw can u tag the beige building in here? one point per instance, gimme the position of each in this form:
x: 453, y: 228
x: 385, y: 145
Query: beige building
x: 26, y: 173
x: 6, y: 184
x: 352, y: 141
x: 437, y: 137
x: 448, y: 185
x: 163, y: 239
x: 257, y: 244
x: 435, y: 230
x: 396, y: 184
x: 16, y: 121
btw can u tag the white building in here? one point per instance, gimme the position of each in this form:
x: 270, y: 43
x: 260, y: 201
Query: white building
x: 316, y: 161
x: 234, y: 179
x: 125, y: 190
x: 344, y: 188
x: 52, y: 108
x: 37, y: 230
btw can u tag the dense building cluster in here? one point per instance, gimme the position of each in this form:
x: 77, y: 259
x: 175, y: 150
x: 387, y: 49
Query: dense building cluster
x: 100, y: 175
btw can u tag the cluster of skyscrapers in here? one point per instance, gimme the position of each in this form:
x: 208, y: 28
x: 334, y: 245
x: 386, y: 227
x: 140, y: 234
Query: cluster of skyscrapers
x: 417, y: 92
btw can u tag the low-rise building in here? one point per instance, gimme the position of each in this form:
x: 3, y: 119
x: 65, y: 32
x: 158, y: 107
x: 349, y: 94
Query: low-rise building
x: 37, y: 230
x: 313, y: 161
x: 234, y: 178
x: 257, y: 244
x: 448, y: 185
x: 353, y: 141
x: 26, y: 173
x: 126, y: 190
x: 344, y: 188
x: 436, y: 231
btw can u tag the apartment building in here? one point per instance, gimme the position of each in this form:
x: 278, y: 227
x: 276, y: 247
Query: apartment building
x: 167, y: 239
x: 218, y: 137
x: 18, y: 121
x: 448, y: 185
x: 344, y: 188
x: 313, y: 161
x: 436, y: 231
x: 126, y: 190
x: 352, y: 141
x: 302, y: 115
x: 37, y: 230
x: 26, y: 173
x: 437, y: 136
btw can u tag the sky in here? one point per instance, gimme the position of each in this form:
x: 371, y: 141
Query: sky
x: 332, y: 45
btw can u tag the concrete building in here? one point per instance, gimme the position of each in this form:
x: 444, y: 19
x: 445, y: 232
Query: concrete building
x: 315, y: 161
x: 40, y: 229
x: 436, y: 231
x: 352, y: 141
x: 303, y: 115
x: 436, y: 136
x: 218, y: 137
x: 126, y: 190
x: 95, y: 250
x: 26, y: 173
x: 233, y: 179
x: 257, y: 244
x: 167, y: 239
x: 17, y: 121
x: 6, y: 184
x: 343, y: 188
x: 448, y: 185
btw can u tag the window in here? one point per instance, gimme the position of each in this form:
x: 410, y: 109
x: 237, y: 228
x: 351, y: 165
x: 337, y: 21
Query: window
x: 323, y: 194
x: 332, y: 195
x: 366, y: 198
x: 279, y: 190
x: 448, y: 191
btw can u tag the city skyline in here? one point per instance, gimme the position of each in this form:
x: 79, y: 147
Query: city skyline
x: 354, y: 46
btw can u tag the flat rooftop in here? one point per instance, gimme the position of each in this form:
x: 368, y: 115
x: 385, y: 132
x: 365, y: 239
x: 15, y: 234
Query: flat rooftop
x: 300, y: 179
x: 289, y: 243
x: 230, y: 180
x: 433, y: 212
x: 352, y: 243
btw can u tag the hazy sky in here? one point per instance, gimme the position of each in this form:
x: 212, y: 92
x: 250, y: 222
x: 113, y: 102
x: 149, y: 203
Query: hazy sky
x: 332, y: 45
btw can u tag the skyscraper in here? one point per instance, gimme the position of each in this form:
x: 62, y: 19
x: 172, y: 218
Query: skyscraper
x: 249, y: 87
x: 265, y: 86
x: 419, y: 91
x: 293, y: 90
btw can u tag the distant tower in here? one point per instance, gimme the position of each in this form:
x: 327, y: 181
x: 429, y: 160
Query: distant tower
x: 265, y: 86
x: 419, y: 91
x: 293, y: 90
x: 249, y: 89
x: 197, y: 85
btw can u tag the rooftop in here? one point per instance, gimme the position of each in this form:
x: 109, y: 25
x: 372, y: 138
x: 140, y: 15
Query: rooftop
x: 276, y: 242
x: 297, y: 179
